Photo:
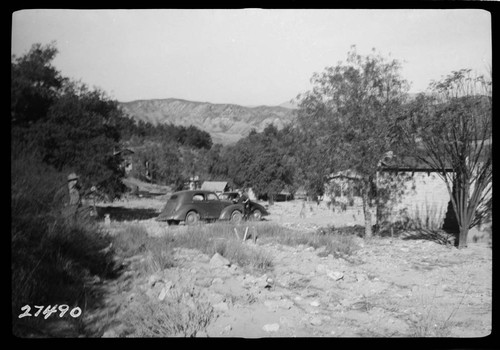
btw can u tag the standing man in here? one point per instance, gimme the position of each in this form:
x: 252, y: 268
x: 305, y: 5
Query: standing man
x: 74, y: 194
x: 246, y: 203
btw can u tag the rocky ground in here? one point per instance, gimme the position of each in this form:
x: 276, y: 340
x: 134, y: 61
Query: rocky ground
x: 390, y: 287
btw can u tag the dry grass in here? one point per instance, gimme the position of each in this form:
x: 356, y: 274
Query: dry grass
x: 432, y: 322
x: 181, y: 314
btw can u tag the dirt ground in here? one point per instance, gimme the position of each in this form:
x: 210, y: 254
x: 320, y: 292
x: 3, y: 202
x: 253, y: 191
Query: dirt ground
x: 390, y: 287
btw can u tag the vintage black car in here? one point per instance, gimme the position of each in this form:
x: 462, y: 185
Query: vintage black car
x: 191, y: 206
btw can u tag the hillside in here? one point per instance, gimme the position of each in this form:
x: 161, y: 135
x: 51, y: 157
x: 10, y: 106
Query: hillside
x: 226, y: 123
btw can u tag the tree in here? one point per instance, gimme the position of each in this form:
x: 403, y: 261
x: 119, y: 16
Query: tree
x: 157, y: 162
x: 260, y: 161
x: 452, y: 129
x: 35, y: 84
x: 270, y: 172
x: 81, y: 133
x: 71, y: 127
x: 346, y: 118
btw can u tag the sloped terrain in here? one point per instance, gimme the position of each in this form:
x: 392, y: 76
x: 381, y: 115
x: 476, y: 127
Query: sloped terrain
x: 226, y: 123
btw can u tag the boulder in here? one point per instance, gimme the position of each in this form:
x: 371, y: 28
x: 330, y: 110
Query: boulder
x: 218, y: 260
x: 335, y: 275
x: 163, y: 293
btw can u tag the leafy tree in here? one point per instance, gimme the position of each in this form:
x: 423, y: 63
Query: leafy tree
x: 261, y: 161
x: 158, y: 163
x: 451, y: 128
x: 35, y: 84
x: 347, y: 116
x: 71, y: 127
x: 216, y: 166
x: 80, y: 133
x: 197, y: 138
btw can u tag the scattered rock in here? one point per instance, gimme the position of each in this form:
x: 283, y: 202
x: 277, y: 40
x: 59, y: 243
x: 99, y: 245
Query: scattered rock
x: 272, y: 327
x: 314, y: 303
x: 218, y: 260
x: 336, y: 275
x: 153, y: 279
x: 262, y: 282
x: 163, y: 293
x: 227, y: 328
x: 406, y: 250
x: 316, y: 321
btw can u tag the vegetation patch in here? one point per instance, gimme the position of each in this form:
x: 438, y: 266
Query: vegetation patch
x: 182, y: 314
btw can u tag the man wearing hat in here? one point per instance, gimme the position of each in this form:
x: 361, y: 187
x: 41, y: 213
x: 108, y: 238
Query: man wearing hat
x: 74, y: 190
x: 74, y: 195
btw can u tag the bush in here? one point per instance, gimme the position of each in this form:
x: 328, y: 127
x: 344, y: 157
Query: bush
x: 181, y: 314
x: 131, y: 240
x: 51, y: 256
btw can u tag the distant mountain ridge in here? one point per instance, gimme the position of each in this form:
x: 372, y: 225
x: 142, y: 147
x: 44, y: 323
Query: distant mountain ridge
x: 226, y: 123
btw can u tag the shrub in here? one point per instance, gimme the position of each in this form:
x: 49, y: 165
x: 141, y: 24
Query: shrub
x: 51, y: 257
x: 180, y: 314
x: 131, y: 240
x: 160, y: 254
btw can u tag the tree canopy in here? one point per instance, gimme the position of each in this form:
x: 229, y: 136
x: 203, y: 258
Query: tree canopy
x: 347, y: 118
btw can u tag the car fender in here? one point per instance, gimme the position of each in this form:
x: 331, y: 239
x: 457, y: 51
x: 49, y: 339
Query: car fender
x: 182, y: 212
x: 227, y: 211
x: 263, y: 210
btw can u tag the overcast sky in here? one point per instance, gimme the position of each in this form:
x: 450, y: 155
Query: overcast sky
x: 246, y: 57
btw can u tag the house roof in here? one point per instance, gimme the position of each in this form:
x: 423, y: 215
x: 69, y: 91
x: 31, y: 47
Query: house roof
x: 216, y: 186
x: 411, y: 163
x: 346, y: 174
x: 123, y: 152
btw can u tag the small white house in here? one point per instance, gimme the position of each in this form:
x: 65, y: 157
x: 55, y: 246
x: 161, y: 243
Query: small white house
x: 215, y: 186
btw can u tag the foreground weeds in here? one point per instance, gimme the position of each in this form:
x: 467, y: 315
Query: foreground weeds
x: 227, y: 240
x: 181, y: 314
x: 53, y: 257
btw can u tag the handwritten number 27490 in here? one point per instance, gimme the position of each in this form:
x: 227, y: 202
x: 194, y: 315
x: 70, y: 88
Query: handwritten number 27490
x: 49, y: 310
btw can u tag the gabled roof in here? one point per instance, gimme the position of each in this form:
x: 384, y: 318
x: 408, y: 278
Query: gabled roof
x: 216, y: 186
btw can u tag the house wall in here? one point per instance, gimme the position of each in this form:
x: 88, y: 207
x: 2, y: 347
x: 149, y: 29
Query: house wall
x: 421, y: 196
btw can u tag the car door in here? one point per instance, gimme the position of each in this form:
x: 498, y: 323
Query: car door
x: 200, y: 204
x: 213, y: 205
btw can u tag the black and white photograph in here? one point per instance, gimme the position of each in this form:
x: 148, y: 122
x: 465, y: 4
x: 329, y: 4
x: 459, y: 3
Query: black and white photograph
x: 251, y: 173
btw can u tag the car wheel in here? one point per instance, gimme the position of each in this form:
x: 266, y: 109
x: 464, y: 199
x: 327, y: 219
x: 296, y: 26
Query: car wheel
x: 192, y: 218
x: 257, y: 215
x: 236, y: 216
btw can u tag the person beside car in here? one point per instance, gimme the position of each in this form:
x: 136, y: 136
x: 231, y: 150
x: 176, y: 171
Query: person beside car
x: 243, y: 199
